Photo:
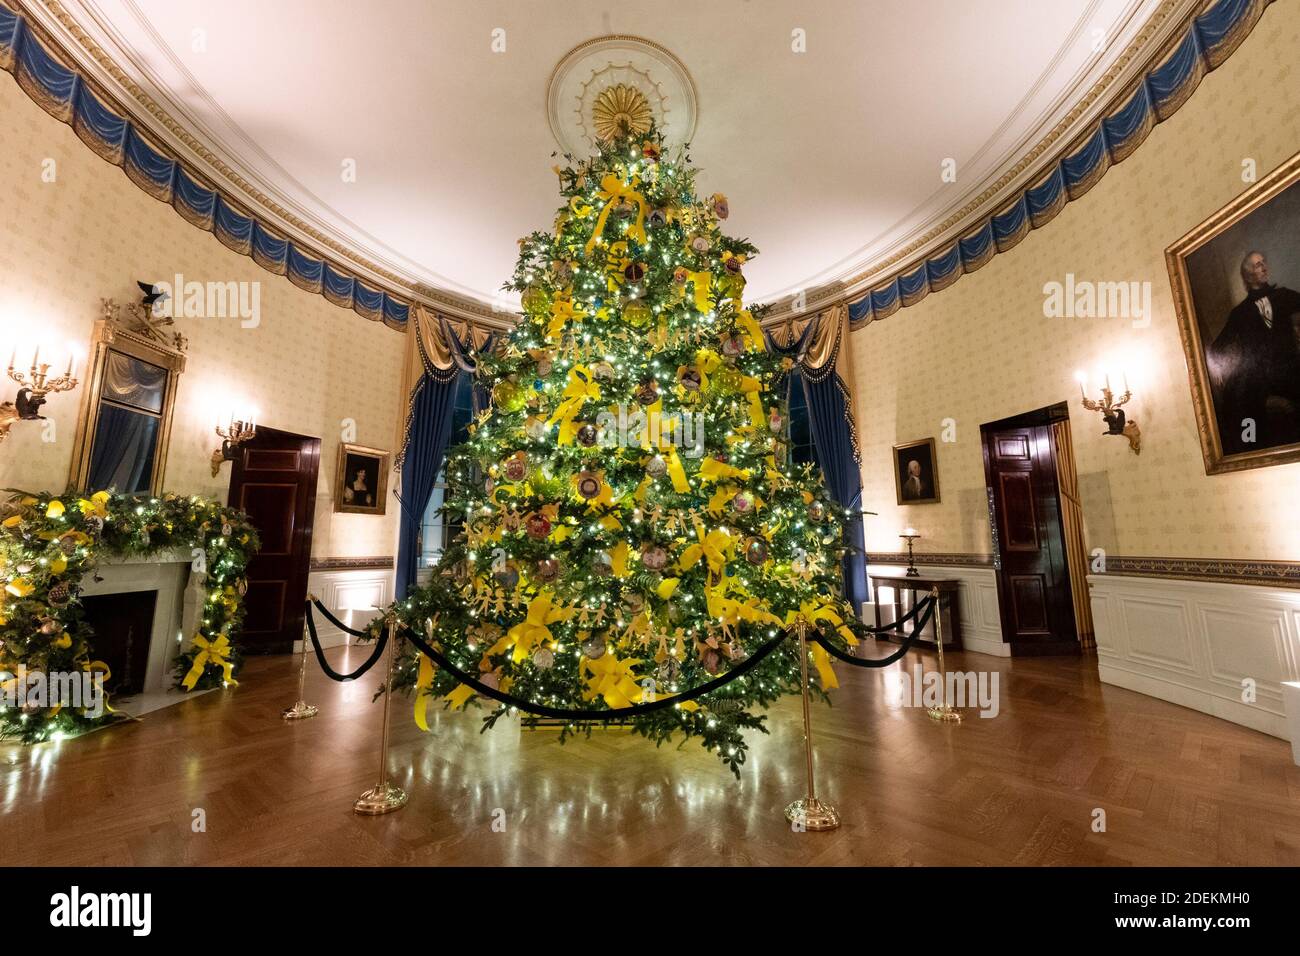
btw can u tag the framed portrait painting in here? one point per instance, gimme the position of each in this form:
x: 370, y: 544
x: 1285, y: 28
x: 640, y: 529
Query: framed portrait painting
x: 916, y: 472
x: 1235, y: 279
x: 361, y: 480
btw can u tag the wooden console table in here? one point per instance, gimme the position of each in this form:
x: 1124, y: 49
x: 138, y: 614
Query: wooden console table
x: 949, y: 606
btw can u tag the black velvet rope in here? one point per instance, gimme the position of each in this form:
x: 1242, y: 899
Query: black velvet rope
x: 334, y: 620
x: 885, y: 628
x: 618, y: 713
x: 330, y: 672
x: 927, y: 604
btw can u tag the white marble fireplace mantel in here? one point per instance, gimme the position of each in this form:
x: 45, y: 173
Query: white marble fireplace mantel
x: 176, y: 615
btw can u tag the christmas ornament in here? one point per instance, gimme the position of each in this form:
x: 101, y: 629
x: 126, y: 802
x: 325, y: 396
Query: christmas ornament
x: 656, y: 467
x: 637, y: 313
x: 587, y: 435
x: 603, y: 371
x: 538, y: 526
x: 508, y: 577
x: 755, y: 550
x: 816, y: 511
x: 721, y: 208
x: 535, y: 299
x: 634, y: 272
x: 543, y: 659
x: 689, y: 378
x: 775, y: 422
x: 588, y: 484
x: 602, y: 565
x: 548, y: 569
x: 516, y: 467
x: 647, y: 392
x: 654, y: 557
x: 733, y: 345
x: 743, y: 502
x: 633, y: 603
x: 594, y: 647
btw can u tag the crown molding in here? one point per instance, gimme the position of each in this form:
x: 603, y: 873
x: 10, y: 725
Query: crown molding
x: 89, y: 44
x: 1066, y: 123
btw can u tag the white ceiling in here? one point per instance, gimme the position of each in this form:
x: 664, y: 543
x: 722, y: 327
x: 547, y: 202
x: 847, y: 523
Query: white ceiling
x: 831, y: 158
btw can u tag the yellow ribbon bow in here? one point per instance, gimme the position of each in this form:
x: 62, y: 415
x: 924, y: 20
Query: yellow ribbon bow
x: 210, y: 652
x: 753, y: 331
x: 582, y: 387
x: 97, y: 504
x: 609, y: 678
x: 563, y: 311
x: 712, y: 546
x: 701, y: 283
x: 533, y: 630
x: 812, y: 612
x: 613, y: 190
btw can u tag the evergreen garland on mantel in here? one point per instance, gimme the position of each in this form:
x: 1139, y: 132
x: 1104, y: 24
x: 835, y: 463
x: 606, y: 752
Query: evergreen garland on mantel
x: 48, y: 543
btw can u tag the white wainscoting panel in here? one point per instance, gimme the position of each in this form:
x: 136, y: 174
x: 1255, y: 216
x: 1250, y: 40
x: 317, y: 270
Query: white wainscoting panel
x: 351, y: 594
x: 1195, y: 643
x: 981, y: 625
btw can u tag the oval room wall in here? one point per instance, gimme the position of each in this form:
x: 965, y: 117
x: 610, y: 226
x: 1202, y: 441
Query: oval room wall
x: 307, y: 366
x: 983, y: 350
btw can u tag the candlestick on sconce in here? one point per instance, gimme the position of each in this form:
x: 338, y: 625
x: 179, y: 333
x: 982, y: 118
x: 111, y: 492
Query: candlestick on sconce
x: 911, y: 535
x: 34, y: 384
x: 232, y: 436
x: 1112, y: 412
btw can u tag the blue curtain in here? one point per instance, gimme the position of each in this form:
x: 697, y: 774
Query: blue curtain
x: 833, y: 449
x: 430, y: 417
x: 828, y: 417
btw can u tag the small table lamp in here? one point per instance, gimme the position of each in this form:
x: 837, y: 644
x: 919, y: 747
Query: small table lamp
x: 911, y: 535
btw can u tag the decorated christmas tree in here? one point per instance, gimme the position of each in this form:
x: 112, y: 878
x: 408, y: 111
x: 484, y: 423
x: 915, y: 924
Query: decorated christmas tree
x: 629, y: 526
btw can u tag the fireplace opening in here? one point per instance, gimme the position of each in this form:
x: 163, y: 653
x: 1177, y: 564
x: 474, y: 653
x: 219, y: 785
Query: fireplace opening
x: 122, y: 624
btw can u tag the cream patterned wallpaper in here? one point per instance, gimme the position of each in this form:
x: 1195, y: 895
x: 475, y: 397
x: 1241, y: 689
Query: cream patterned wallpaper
x: 982, y: 350
x: 89, y: 234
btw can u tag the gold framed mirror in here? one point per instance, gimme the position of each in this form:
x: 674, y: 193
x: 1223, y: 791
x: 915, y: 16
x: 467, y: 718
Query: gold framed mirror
x: 124, y: 428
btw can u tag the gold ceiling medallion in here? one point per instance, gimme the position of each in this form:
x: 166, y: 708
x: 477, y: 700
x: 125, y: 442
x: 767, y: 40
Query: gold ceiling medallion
x: 620, y: 110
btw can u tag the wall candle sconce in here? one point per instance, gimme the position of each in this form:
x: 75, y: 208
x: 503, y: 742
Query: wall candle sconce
x: 34, y: 384
x: 232, y: 436
x: 1112, y: 412
x: 911, y: 535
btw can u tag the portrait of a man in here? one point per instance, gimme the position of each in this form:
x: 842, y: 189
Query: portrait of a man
x: 1235, y: 279
x: 915, y: 473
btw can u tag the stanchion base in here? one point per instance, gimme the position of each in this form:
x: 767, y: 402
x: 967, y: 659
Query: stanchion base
x: 944, y: 714
x: 381, y: 798
x: 300, y: 711
x: 813, y: 814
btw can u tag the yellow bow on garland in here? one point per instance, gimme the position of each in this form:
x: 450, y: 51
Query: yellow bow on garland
x: 582, y: 387
x: 612, y: 191
x: 563, y: 311
x: 701, y: 283
x: 533, y: 630
x: 814, y: 611
x: 753, y: 331
x: 712, y: 546
x: 210, y: 652
x: 611, y: 679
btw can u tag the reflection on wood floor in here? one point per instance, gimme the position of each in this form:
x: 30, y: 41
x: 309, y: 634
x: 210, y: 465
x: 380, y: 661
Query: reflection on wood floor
x: 1178, y: 787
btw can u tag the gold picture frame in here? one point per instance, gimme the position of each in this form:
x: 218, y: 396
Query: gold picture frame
x: 1192, y: 325
x: 112, y: 336
x: 361, y: 480
x: 928, y: 465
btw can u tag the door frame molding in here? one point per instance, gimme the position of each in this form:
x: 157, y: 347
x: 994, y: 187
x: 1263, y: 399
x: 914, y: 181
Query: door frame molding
x: 1043, y: 417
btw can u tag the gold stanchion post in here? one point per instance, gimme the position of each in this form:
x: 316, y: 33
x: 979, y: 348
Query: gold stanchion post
x: 383, y: 797
x: 810, y: 813
x: 943, y: 713
x: 301, y: 710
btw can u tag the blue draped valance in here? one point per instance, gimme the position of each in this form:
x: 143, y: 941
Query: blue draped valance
x: 64, y: 94
x: 1207, y: 41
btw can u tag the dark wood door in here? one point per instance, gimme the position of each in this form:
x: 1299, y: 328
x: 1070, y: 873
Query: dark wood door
x: 274, y: 482
x: 1028, y: 539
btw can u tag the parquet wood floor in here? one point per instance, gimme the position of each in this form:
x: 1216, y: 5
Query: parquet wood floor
x: 1178, y: 787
